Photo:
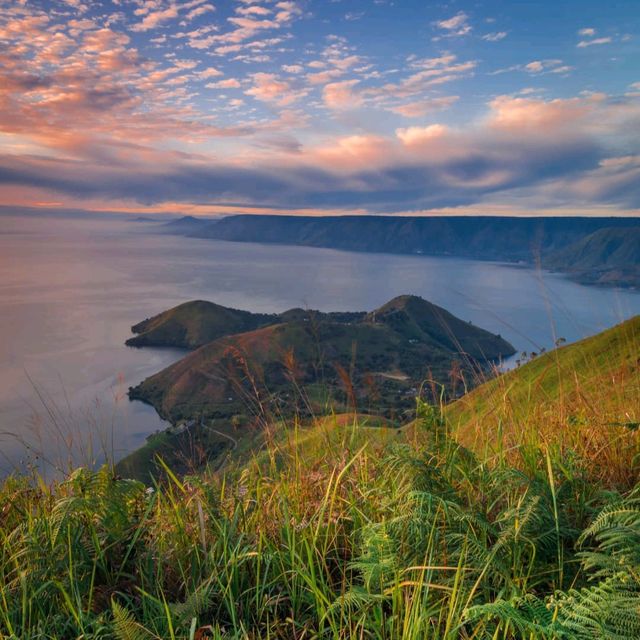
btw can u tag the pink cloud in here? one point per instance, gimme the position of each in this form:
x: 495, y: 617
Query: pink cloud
x: 540, y: 116
x: 268, y: 87
x: 596, y: 41
x: 229, y: 83
x: 341, y: 95
x: 420, y: 108
x: 199, y: 11
x: 419, y: 135
x: 253, y: 9
x: 154, y: 18
x: 457, y: 25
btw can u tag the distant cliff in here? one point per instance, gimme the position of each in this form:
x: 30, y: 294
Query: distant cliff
x: 607, y: 256
x: 484, y: 238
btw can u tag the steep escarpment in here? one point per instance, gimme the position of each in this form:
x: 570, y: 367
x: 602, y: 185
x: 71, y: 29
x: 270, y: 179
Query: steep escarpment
x: 607, y: 256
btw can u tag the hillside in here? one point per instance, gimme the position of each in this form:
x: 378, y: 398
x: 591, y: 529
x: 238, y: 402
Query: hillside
x: 376, y: 359
x: 481, y: 237
x: 417, y: 319
x: 348, y: 527
x: 194, y: 324
x: 583, y: 397
x: 607, y: 256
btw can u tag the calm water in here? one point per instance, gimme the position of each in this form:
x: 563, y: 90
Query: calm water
x: 70, y: 290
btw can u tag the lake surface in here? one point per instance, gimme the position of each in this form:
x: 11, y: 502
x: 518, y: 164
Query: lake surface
x: 71, y: 289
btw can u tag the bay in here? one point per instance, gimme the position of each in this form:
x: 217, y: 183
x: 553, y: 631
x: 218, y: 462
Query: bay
x: 71, y: 288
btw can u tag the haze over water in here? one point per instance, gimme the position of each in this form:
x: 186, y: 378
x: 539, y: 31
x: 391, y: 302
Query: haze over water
x: 71, y: 289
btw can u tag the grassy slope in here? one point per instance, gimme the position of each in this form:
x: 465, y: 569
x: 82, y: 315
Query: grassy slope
x: 578, y: 397
x: 584, y: 397
x: 350, y: 529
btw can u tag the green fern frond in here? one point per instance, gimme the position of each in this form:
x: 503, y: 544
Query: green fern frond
x: 125, y: 626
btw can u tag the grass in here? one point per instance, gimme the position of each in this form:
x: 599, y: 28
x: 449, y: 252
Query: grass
x: 500, y: 516
x: 583, y: 399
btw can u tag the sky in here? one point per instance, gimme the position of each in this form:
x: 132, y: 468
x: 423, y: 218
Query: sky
x: 403, y: 107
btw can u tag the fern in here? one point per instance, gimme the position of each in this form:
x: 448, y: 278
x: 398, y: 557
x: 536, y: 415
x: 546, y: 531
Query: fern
x: 528, y: 616
x: 125, y: 626
x: 195, y: 605
x: 609, y: 610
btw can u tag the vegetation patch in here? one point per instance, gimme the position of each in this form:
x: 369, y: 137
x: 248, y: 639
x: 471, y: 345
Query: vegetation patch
x: 482, y: 519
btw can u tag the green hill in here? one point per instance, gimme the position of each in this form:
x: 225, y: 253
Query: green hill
x: 607, y: 256
x: 378, y: 359
x: 420, y: 320
x: 305, y: 364
x: 193, y: 324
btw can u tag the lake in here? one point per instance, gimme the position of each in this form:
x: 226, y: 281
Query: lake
x: 70, y: 290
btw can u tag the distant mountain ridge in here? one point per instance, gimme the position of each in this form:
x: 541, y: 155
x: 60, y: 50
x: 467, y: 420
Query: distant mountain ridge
x: 498, y: 238
x: 186, y: 225
x: 610, y: 255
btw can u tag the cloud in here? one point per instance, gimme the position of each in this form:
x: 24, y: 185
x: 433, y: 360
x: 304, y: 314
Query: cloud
x: 337, y: 59
x: 587, y: 31
x: 229, y: 83
x: 420, y: 108
x: 153, y: 19
x: 268, y: 87
x: 522, y: 144
x: 253, y: 10
x: 458, y: 25
x: 419, y: 135
x: 199, y: 11
x: 341, y: 95
x: 248, y: 23
x: 287, y: 11
x: 93, y: 93
x: 589, y: 43
x: 538, y: 67
x: 79, y: 6
x: 210, y: 72
x: 428, y: 73
x: 90, y: 111
x: 322, y: 77
x: 530, y: 114
x: 495, y: 37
